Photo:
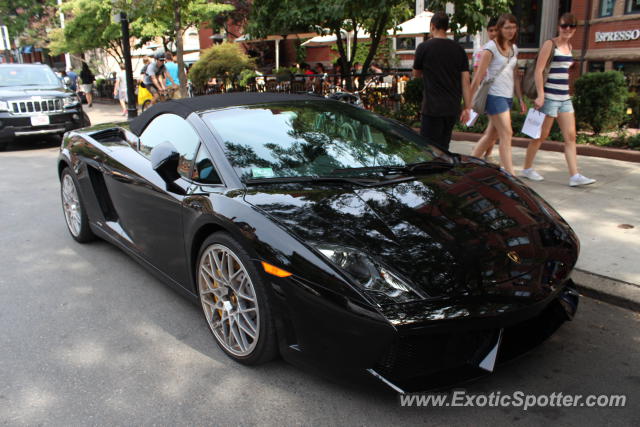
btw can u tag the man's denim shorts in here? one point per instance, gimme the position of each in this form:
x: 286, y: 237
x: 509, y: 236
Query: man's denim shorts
x: 497, y: 104
x: 552, y: 108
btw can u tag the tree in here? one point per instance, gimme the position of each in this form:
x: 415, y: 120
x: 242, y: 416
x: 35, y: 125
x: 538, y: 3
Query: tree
x: 171, y: 18
x: 16, y: 14
x: 472, y: 14
x: 332, y: 16
x: 90, y: 26
x: 226, y: 59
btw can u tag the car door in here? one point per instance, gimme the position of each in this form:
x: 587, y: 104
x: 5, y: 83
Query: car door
x: 150, y: 213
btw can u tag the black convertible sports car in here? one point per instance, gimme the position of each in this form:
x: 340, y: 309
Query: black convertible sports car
x: 322, y: 232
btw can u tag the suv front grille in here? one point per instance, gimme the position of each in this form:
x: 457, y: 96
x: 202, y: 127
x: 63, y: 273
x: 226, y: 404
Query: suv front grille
x: 53, y: 105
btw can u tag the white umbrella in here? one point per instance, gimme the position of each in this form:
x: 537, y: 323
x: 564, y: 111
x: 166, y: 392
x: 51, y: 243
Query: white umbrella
x: 414, y: 27
x: 417, y: 26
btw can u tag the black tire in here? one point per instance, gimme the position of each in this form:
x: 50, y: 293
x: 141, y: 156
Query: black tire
x: 265, y: 348
x: 146, y: 105
x: 83, y: 233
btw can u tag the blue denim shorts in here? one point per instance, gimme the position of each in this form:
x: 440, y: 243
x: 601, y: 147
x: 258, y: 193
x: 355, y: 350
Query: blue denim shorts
x: 552, y: 108
x: 497, y: 104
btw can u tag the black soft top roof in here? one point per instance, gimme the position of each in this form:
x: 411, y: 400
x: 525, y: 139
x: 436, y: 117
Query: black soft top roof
x: 184, y: 107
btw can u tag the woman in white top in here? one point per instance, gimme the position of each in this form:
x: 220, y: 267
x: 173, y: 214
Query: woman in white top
x: 500, y: 99
x: 490, y: 135
x: 554, y: 101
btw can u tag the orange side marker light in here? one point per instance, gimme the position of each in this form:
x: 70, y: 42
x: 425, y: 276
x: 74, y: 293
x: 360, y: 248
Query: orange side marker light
x: 272, y: 269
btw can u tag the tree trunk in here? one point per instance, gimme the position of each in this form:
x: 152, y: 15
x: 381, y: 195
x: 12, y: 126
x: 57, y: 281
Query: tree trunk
x: 179, y: 48
x: 346, y: 64
x: 379, y: 30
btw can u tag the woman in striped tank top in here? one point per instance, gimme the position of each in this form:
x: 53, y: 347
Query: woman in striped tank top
x: 554, y: 101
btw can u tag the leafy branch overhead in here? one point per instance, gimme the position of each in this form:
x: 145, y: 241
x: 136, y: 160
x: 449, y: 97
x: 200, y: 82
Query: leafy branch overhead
x: 472, y: 14
x: 330, y: 16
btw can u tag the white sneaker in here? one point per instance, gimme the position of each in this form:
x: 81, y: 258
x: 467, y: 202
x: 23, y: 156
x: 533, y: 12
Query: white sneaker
x: 532, y: 175
x: 578, y: 179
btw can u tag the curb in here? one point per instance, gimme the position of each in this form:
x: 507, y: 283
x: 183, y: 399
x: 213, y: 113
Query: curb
x: 616, y: 292
x: 583, y: 149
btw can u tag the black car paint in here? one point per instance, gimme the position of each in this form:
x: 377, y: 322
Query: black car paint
x: 320, y: 314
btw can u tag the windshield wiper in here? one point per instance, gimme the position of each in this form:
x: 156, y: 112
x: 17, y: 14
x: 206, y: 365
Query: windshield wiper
x: 363, y: 182
x: 420, y: 167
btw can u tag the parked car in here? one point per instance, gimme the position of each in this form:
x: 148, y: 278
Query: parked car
x: 34, y: 101
x: 319, y: 231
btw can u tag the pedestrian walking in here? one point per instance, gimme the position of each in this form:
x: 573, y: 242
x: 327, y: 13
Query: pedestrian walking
x: 553, y: 99
x: 172, y: 70
x: 490, y: 135
x: 120, y: 89
x: 498, y: 62
x: 74, y: 79
x: 87, y: 78
x: 443, y: 65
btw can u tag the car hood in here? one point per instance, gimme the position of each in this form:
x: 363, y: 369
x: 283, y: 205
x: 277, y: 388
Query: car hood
x: 21, y: 92
x: 468, y: 231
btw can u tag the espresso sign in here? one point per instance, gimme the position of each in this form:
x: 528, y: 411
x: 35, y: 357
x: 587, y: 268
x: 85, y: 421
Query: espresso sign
x: 618, y: 36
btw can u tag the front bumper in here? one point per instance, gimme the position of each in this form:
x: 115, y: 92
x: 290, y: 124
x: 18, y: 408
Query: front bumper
x: 425, y: 354
x: 432, y: 358
x: 16, y: 126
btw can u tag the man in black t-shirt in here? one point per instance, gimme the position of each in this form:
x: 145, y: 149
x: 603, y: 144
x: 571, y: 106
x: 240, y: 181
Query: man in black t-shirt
x: 444, y: 67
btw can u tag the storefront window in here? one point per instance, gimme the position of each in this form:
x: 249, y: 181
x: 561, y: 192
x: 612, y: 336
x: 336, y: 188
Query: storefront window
x: 405, y: 43
x: 606, y: 7
x: 631, y: 71
x: 528, y: 13
x: 596, y: 66
x: 632, y: 6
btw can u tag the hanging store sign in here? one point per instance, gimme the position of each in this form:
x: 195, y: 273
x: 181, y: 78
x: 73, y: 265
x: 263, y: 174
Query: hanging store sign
x: 618, y: 36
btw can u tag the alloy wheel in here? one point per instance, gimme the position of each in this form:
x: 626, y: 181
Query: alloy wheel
x: 229, y: 300
x: 71, y: 205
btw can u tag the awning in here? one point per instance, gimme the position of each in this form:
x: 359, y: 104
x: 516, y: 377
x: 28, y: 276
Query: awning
x: 191, y: 58
x: 246, y: 38
x: 417, y: 26
x: 331, y: 38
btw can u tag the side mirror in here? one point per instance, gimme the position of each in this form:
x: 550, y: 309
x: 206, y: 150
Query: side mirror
x: 164, y: 160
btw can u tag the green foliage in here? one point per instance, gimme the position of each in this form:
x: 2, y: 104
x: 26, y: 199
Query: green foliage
x: 633, y: 102
x: 245, y: 77
x: 16, y: 14
x: 471, y: 13
x: 600, y: 100
x: 90, y: 28
x: 413, y: 91
x: 226, y: 60
x: 330, y: 16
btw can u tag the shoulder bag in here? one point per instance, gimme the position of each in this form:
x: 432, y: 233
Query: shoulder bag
x: 529, y: 79
x: 479, y: 101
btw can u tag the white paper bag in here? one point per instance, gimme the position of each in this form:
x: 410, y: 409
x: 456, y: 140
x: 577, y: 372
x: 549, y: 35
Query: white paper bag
x: 533, y: 123
x: 473, y: 117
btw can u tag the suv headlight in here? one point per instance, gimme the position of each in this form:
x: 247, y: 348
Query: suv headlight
x: 70, y: 101
x: 377, y: 281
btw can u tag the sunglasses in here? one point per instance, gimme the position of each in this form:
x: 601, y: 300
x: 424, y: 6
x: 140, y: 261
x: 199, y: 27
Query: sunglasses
x: 565, y: 26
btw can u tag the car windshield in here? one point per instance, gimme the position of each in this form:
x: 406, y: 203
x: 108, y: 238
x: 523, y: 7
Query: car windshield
x: 29, y: 75
x: 316, y: 139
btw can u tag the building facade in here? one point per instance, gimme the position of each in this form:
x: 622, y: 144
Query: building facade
x: 608, y: 37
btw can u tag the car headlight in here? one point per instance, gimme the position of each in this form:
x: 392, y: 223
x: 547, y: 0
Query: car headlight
x: 4, y: 106
x: 71, y: 101
x: 376, y: 280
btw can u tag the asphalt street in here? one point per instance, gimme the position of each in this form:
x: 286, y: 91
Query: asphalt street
x: 89, y: 337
